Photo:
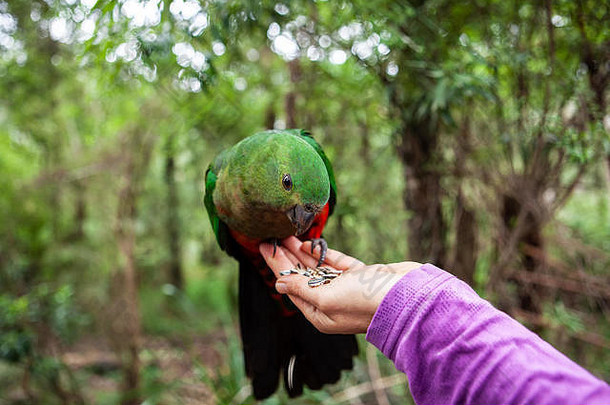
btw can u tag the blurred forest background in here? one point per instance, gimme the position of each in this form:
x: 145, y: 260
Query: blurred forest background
x: 470, y: 134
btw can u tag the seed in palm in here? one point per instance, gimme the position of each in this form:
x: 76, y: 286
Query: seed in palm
x: 318, y: 276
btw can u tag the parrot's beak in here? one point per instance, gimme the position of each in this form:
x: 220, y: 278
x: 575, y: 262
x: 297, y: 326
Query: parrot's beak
x: 302, y: 217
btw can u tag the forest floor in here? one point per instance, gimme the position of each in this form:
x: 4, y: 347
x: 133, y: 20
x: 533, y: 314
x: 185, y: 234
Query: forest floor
x: 169, y: 367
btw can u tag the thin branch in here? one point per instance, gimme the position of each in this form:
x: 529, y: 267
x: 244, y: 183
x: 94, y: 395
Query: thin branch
x: 575, y: 245
x: 580, y: 23
x: 568, y: 190
x: 365, y: 388
x: 242, y: 395
x: 375, y: 374
x: 111, y: 162
x: 561, y: 283
x: 550, y: 31
x: 540, y: 160
x: 555, y: 170
x: 508, y: 251
x: 541, y: 320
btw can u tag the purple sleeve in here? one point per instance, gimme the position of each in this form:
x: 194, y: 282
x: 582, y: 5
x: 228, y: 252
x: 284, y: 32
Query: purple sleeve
x: 455, y: 347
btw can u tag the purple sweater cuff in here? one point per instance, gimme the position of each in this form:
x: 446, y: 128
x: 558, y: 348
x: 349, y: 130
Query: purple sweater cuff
x: 402, y: 298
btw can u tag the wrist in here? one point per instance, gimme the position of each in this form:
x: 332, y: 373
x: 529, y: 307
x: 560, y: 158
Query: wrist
x: 381, y: 281
x: 402, y: 299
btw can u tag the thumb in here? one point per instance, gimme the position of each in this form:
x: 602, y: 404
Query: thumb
x: 295, y: 285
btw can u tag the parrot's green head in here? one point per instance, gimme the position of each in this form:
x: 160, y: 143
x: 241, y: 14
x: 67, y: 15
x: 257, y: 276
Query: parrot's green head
x: 275, y: 184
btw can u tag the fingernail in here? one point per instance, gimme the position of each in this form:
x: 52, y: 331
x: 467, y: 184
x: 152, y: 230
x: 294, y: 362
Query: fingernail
x: 265, y: 249
x: 281, y: 287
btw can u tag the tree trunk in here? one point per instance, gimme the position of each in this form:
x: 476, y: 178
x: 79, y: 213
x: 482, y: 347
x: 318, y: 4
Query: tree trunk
x: 465, y: 250
x: 270, y: 116
x: 607, y: 171
x: 80, y: 211
x: 530, y: 251
x: 175, y: 275
x: 423, y: 193
x: 465, y: 257
x: 126, y: 328
x: 596, y: 58
x: 129, y: 316
x: 365, y: 146
x: 291, y: 97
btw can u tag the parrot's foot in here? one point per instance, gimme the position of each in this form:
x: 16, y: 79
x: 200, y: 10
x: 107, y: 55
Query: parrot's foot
x: 323, y: 248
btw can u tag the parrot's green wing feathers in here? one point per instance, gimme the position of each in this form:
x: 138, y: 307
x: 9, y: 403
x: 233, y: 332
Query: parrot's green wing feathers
x: 306, y: 135
x: 220, y: 228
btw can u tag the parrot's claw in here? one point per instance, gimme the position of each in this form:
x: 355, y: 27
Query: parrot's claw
x: 275, y: 244
x: 323, y: 248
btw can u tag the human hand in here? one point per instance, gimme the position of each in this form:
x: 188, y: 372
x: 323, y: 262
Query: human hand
x: 348, y: 303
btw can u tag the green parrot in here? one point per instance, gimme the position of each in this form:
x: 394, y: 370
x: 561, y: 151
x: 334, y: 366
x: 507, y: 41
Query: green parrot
x: 269, y: 186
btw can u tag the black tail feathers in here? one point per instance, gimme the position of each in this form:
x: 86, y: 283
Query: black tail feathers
x: 274, y: 343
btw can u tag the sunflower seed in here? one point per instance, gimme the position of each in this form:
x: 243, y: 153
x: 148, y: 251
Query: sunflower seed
x: 290, y: 271
x: 315, y: 282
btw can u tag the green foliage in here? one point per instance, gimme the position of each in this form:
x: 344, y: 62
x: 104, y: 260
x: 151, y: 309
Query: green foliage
x: 28, y: 323
x: 229, y: 383
x: 587, y: 215
x: 21, y: 316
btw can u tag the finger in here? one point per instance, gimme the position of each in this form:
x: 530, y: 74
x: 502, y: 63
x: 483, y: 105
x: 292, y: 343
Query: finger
x: 295, y: 260
x: 278, y: 262
x: 305, y: 257
x: 334, y: 258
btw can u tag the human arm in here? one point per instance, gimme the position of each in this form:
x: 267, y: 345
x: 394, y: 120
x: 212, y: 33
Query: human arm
x: 454, y: 346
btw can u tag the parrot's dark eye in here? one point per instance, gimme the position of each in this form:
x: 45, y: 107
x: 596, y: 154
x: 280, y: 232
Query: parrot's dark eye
x: 287, y: 182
